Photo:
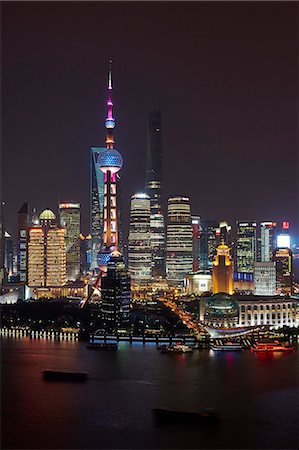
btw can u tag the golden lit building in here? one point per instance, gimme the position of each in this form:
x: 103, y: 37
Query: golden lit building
x: 55, y: 257
x: 36, y: 256
x: 46, y: 253
x: 222, y: 272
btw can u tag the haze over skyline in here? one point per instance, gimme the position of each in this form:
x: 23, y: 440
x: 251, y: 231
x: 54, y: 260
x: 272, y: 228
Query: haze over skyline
x: 224, y: 76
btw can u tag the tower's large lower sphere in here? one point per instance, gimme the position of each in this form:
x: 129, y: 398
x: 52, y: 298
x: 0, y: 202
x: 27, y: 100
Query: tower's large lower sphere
x: 111, y: 160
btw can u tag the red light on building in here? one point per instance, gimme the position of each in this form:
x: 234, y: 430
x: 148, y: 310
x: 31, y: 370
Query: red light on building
x: 285, y: 225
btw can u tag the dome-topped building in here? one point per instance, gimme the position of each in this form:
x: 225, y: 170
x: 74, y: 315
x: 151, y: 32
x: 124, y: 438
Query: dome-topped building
x: 220, y: 310
x: 47, y: 217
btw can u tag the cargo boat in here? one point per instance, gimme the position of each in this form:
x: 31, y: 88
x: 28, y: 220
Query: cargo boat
x: 174, y: 416
x: 102, y: 346
x: 270, y: 347
x: 56, y: 375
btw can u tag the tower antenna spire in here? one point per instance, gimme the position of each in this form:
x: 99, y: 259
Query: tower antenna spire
x: 110, y: 75
x: 110, y: 122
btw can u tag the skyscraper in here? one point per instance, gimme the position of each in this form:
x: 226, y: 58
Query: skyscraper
x: 179, y: 259
x: 139, y: 251
x: 208, y: 243
x: 8, y: 254
x: 223, y: 233
x: 36, y: 257
x: 46, y: 253
x: 268, y: 240
x: 23, y: 224
x: 265, y: 278
x: 283, y: 258
x: 246, y: 246
x: 153, y: 187
x: 70, y: 221
x: 116, y: 294
x: 195, y: 222
x: 222, y: 270
x: 96, y: 205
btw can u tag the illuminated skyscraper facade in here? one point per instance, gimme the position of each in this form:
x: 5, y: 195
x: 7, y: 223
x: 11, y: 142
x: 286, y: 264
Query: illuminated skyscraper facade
x: 23, y: 224
x: 153, y: 187
x: 96, y: 206
x: 223, y: 233
x: 268, y: 240
x: 46, y: 253
x: 222, y: 271
x: 139, y: 246
x: 179, y: 259
x: 70, y: 221
x: 195, y: 222
x: 208, y: 243
x: 36, y: 257
x: 265, y: 278
x: 116, y: 294
x: 55, y: 257
x: 283, y: 258
x: 246, y: 247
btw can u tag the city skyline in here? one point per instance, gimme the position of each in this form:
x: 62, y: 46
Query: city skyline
x: 213, y: 140
x: 149, y: 227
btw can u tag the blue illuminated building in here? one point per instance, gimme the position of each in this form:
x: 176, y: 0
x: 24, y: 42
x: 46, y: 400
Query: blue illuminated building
x: 96, y: 206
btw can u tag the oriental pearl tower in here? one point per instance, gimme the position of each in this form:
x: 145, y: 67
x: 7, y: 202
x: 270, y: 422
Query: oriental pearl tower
x: 110, y: 162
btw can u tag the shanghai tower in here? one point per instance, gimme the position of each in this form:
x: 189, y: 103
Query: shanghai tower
x: 153, y: 187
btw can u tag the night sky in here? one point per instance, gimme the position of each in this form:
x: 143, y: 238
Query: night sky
x: 223, y: 74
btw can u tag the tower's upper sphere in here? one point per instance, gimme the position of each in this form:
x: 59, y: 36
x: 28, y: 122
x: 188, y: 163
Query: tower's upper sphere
x: 110, y: 159
x: 110, y: 123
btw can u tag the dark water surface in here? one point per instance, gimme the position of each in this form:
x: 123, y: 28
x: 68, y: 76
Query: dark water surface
x: 256, y: 396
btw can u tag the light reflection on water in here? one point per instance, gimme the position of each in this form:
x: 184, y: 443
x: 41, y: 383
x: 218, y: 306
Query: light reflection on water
x: 113, y: 409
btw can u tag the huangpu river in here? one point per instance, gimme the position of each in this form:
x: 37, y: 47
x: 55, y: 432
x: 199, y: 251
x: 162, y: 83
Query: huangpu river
x: 256, y: 396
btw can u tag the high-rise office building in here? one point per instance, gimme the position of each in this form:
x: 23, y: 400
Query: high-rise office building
x: 46, y: 253
x: 34, y: 217
x: 36, y: 257
x: 70, y: 221
x: 265, y: 278
x: 246, y: 247
x: 55, y: 257
x: 116, y: 294
x: 153, y: 187
x: 268, y: 241
x: 96, y: 205
x: 208, y: 242
x: 222, y: 271
x: 139, y: 246
x: 8, y: 254
x: 223, y: 233
x: 84, y: 252
x: 179, y: 259
x: 195, y: 222
x: 23, y: 224
x: 283, y: 258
